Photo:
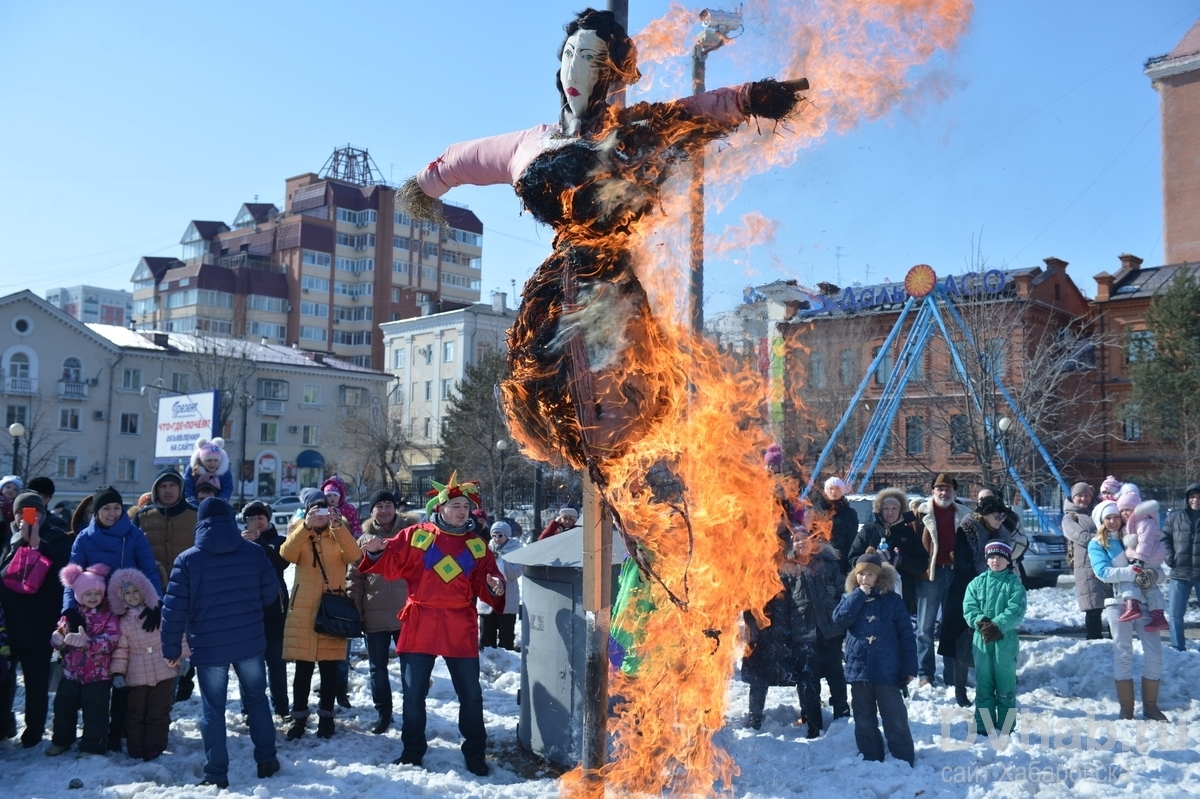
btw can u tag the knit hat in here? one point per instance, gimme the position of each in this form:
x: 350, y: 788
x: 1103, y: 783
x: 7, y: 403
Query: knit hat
x: 990, y: 505
x: 42, y: 485
x: 1082, y: 488
x: 106, y: 495
x: 29, y: 499
x: 381, y: 496
x: 773, y: 458
x: 1105, y: 508
x: 872, y: 561
x: 1129, y: 497
x: 211, y: 449
x: 1110, y: 486
x: 998, y: 547
x: 11, y: 478
x: 836, y: 482
x: 256, y: 508
x: 214, y: 508
x: 502, y: 527
x: 440, y: 494
x: 567, y: 510
x: 81, y: 580
x: 310, y: 497
x: 946, y: 480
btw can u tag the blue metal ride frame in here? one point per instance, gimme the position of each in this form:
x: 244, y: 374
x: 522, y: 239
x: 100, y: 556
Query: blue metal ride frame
x: 875, y: 437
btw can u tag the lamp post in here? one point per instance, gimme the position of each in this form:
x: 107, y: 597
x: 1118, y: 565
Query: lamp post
x: 16, y: 430
x: 502, y: 453
x: 717, y: 27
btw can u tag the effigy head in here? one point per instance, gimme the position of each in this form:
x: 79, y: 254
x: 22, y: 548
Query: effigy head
x: 595, y: 59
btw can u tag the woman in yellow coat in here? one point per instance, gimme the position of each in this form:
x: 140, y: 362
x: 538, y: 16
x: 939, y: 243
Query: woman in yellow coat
x: 321, y: 530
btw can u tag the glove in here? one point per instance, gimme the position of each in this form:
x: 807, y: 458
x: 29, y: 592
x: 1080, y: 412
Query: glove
x: 79, y: 639
x: 74, y: 619
x: 1143, y: 578
x: 990, y: 632
x: 151, y: 618
x: 118, y: 681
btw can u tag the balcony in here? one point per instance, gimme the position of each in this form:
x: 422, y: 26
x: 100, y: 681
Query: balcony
x: 270, y: 407
x: 25, y: 386
x: 72, y: 389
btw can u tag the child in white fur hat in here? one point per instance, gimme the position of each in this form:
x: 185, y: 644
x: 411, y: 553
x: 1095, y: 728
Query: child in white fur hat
x: 209, y: 465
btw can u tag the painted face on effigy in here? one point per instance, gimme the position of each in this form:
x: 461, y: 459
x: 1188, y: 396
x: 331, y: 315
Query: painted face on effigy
x: 584, y: 55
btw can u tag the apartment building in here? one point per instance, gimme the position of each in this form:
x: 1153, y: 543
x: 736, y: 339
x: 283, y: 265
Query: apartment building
x: 92, y: 304
x: 321, y: 273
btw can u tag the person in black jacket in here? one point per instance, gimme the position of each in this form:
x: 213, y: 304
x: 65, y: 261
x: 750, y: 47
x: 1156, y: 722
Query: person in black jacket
x: 258, y: 528
x: 895, y: 524
x: 1181, y: 536
x: 832, y: 508
x: 31, y: 620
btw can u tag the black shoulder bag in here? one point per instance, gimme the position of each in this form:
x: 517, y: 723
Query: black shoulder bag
x: 336, y: 614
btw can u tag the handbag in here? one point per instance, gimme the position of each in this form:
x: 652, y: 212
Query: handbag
x: 336, y: 614
x: 26, y: 571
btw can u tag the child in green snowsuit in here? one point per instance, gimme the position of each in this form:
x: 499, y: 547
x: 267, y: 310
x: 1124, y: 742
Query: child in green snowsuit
x: 994, y: 606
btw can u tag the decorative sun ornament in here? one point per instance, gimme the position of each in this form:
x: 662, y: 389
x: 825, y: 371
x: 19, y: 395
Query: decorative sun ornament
x: 920, y: 280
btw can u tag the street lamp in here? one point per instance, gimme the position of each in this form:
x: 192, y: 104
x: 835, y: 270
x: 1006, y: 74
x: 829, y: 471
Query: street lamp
x: 16, y: 430
x: 502, y: 452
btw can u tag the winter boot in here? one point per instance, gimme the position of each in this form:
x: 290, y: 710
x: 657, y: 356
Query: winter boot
x: 343, y: 698
x: 1125, y: 697
x: 1150, y: 700
x: 960, y: 683
x: 1158, y: 622
x: 1133, y: 611
x: 299, y: 724
x: 383, y: 723
x: 325, y: 724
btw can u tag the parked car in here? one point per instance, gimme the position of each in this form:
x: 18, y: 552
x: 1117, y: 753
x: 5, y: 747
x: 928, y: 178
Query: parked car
x: 1044, y: 561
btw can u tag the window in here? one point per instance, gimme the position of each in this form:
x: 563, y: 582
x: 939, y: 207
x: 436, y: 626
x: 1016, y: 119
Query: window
x: 131, y: 379
x: 414, y: 392
x: 353, y: 338
x: 846, y: 367
x: 395, y: 295
x: 180, y: 382
x: 259, y: 302
x: 401, y: 218
x: 311, y: 283
x: 353, y: 313
x: 960, y: 435
x: 353, y: 289
x: 816, y: 370
x: 428, y: 273
x: 354, y: 396
x: 356, y: 217
x: 448, y: 352
x: 310, y: 436
x: 310, y: 333
x: 1139, y: 346
x: 400, y: 267
x: 220, y: 299
x: 398, y: 358
x: 17, y: 413
x: 18, y: 366
x: 359, y: 360
x: 312, y: 395
x: 67, y: 467
x: 448, y: 388
x: 268, y: 432
x: 273, y: 390
x: 267, y: 330
x: 72, y: 370
x: 318, y: 309
x: 995, y: 356
x: 449, y: 256
x: 127, y: 469
x: 430, y: 250
x: 918, y: 366
x: 462, y: 281
x: 884, y: 370
x: 345, y: 239
x: 356, y: 264
x: 914, y: 435
x: 1132, y: 424
x: 428, y: 390
x: 427, y: 351
x: 314, y: 258
x: 68, y: 418
x: 428, y: 427
x: 129, y: 424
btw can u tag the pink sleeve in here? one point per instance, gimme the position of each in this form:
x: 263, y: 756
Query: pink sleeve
x: 726, y: 107
x: 482, y: 162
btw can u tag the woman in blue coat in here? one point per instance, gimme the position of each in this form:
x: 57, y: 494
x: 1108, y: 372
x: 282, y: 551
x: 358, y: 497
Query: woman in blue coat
x: 111, y: 538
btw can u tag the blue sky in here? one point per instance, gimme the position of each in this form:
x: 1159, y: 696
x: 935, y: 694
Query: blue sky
x: 123, y: 121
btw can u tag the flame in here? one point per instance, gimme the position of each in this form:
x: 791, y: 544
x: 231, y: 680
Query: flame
x: 671, y: 431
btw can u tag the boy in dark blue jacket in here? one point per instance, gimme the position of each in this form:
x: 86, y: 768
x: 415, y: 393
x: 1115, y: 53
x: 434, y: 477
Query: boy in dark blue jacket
x: 881, y: 657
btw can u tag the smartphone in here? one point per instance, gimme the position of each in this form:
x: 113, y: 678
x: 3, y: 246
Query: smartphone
x: 29, y: 516
x: 317, y: 512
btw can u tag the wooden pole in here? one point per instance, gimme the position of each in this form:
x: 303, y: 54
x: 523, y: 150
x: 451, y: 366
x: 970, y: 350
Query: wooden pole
x: 597, y: 602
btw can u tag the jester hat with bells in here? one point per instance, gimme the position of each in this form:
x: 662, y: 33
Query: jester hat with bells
x: 441, y: 494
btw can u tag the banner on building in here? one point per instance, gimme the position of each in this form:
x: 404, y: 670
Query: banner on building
x: 183, y: 418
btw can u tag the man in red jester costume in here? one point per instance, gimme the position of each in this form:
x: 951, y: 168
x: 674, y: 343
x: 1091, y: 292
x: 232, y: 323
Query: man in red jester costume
x: 447, y: 566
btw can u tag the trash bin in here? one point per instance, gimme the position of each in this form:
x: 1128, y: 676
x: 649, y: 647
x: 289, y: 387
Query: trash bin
x: 554, y: 635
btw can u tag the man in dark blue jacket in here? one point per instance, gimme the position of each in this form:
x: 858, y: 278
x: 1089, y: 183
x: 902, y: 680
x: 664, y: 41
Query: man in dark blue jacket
x: 216, y: 594
x: 1181, y: 536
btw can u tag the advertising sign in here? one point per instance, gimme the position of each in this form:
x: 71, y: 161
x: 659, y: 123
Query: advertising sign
x: 183, y: 418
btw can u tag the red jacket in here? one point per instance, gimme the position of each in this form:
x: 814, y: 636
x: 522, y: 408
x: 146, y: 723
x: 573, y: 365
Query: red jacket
x: 446, y: 572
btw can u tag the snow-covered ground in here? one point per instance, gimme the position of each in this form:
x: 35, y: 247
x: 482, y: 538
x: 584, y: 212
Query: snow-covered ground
x: 1065, y: 686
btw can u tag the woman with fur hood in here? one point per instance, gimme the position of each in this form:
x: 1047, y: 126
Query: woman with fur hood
x: 895, y: 524
x: 881, y: 657
x: 138, y: 665
x: 210, y: 465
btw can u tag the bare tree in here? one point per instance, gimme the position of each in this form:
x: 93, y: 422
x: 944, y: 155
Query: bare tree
x: 375, y: 447
x: 42, y: 440
x: 219, y: 363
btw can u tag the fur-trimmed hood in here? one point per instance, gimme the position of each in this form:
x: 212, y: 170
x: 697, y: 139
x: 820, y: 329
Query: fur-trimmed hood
x: 890, y: 493
x: 123, y: 577
x: 338, y: 485
x: 886, y: 583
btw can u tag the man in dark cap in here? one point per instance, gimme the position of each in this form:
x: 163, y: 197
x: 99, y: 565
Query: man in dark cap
x: 44, y: 487
x: 941, y: 514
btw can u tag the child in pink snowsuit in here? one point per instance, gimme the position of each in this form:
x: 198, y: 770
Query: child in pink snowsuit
x: 1145, y: 551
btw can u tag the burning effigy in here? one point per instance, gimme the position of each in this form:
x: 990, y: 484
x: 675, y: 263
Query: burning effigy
x: 606, y: 376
